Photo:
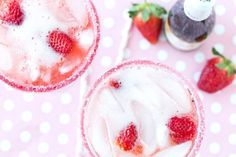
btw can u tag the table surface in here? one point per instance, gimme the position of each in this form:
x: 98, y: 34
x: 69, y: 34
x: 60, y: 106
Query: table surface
x: 44, y: 124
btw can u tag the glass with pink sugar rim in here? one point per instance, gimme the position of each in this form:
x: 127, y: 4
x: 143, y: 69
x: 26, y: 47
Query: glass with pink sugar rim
x: 93, y: 17
x: 198, y: 103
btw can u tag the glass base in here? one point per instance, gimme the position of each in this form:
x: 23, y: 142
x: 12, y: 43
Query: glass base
x: 178, y: 43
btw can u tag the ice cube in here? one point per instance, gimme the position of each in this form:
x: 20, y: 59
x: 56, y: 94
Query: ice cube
x: 86, y: 38
x: 180, y: 150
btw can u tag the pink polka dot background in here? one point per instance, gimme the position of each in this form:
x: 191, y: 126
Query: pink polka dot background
x: 44, y: 124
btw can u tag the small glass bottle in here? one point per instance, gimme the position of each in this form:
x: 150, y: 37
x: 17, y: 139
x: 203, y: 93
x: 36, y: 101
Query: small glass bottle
x: 189, y: 23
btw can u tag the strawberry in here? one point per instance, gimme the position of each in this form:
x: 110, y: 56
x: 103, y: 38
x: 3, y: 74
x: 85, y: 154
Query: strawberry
x: 115, y: 84
x: 147, y: 17
x: 127, y: 138
x: 11, y: 13
x: 60, y: 42
x: 182, y: 129
x: 218, y: 73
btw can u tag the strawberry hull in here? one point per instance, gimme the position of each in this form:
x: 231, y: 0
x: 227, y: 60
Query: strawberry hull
x: 139, y: 101
x: 37, y: 66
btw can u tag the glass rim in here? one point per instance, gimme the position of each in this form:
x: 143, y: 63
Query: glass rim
x: 198, y: 103
x: 92, y: 13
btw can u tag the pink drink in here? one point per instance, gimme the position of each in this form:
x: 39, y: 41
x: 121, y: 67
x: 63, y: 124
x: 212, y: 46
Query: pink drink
x: 28, y: 62
x: 131, y: 111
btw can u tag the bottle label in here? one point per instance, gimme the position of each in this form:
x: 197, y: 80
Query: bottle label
x: 198, y: 10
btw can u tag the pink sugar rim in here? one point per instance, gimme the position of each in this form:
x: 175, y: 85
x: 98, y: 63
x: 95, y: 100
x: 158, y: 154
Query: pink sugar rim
x: 198, y: 103
x: 87, y: 61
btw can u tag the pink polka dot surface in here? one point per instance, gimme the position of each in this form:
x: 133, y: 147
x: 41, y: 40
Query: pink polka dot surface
x: 45, y: 124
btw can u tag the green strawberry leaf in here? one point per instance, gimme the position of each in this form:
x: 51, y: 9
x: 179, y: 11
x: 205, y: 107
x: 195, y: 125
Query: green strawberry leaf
x: 147, y: 10
x: 145, y: 15
x: 225, y: 64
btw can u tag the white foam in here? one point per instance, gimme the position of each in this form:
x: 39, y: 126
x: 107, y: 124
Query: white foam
x: 5, y: 59
x: 147, y: 97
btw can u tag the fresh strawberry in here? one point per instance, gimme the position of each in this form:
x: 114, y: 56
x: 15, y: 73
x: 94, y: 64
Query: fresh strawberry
x: 182, y: 129
x: 60, y: 42
x: 147, y: 17
x: 11, y: 12
x: 127, y: 138
x: 218, y: 73
x: 115, y: 84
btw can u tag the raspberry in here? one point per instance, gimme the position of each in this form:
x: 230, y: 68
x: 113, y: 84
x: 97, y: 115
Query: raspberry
x: 182, y: 129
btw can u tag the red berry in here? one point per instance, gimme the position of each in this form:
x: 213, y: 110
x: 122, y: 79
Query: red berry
x: 115, y: 84
x: 11, y: 13
x: 147, y: 18
x: 60, y: 42
x: 217, y: 74
x: 127, y: 138
x: 182, y: 129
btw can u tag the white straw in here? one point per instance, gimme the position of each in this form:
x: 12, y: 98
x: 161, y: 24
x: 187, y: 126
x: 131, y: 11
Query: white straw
x: 123, y: 51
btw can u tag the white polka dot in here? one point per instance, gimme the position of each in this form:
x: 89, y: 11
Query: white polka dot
x: 198, y: 155
x: 144, y: 44
x: 106, y: 61
x: 234, y: 82
x: 107, y: 42
x: 46, y: 107
x: 28, y: 97
x: 6, y: 125
x: 234, y: 20
x: 162, y: 55
x: 23, y: 154
x: 232, y: 139
x: 232, y: 119
x: 45, y: 127
x: 234, y: 40
x: 8, y: 105
x: 180, y: 66
x: 109, y: 4
x: 220, y: 9
x: 219, y: 47
x: 63, y: 139
x: 199, y: 57
x: 43, y: 148
x: 5, y: 145
x: 196, y: 76
x: 215, y: 128
x: 108, y: 22
x: 214, y: 148
x: 25, y: 137
x: 232, y: 155
x: 233, y: 99
x: 61, y: 155
x: 66, y: 98
x: 234, y: 2
x: 64, y: 118
x: 219, y: 29
x: 216, y: 108
x: 26, y: 116
x: 234, y: 59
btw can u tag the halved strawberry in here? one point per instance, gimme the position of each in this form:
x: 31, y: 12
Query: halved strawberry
x: 218, y: 73
x: 60, y: 42
x: 127, y: 138
x: 182, y: 129
x: 147, y: 17
x: 11, y: 12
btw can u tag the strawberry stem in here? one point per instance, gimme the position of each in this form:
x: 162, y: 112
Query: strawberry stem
x: 217, y: 53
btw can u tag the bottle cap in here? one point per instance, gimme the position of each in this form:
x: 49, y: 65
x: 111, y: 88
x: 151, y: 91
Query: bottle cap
x: 198, y: 10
